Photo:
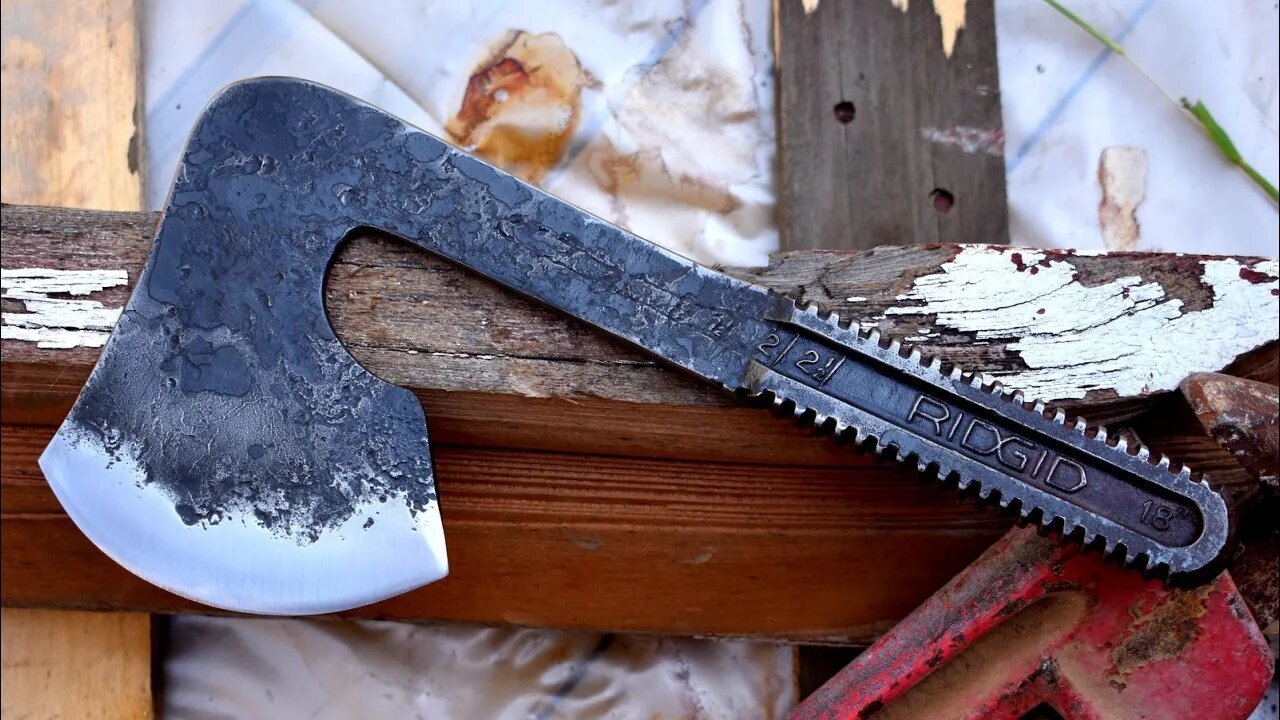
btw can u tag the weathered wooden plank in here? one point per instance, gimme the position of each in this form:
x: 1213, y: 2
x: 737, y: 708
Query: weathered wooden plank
x: 889, y: 126
x: 1093, y: 332
x: 575, y: 497
x: 72, y: 136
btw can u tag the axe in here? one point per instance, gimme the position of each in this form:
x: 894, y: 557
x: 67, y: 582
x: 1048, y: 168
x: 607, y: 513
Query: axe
x: 227, y: 447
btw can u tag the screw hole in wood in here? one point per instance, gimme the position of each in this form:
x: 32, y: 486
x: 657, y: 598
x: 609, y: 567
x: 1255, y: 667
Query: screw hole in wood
x: 845, y: 112
x: 942, y: 199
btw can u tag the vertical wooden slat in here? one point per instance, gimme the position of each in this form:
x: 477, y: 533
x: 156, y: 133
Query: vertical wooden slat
x: 72, y: 136
x: 886, y: 136
x: 883, y: 138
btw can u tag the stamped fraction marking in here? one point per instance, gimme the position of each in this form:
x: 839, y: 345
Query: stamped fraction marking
x: 815, y: 362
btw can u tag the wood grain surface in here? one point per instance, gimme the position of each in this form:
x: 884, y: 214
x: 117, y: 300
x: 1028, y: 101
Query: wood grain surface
x: 72, y: 136
x: 883, y: 138
x: 72, y: 104
x: 582, y: 484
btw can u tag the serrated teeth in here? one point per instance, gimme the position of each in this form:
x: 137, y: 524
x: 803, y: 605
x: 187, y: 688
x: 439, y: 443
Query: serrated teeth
x: 1068, y: 521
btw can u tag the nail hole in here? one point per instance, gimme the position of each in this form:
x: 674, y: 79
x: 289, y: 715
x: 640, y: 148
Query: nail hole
x: 942, y: 200
x: 845, y: 112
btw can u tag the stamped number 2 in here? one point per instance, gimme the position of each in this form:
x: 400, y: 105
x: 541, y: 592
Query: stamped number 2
x: 769, y: 348
x: 818, y: 367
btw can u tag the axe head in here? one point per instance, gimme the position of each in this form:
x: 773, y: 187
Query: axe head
x: 227, y: 447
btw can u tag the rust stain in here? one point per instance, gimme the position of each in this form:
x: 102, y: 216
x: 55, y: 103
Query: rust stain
x: 1162, y: 633
x: 1122, y: 173
x: 522, y: 104
x: 644, y: 176
x: 1255, y: 277
x: 1240, y: 415
x: 1010, y: 647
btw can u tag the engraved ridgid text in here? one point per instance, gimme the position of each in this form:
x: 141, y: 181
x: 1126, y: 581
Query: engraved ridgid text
x: 978, y: 437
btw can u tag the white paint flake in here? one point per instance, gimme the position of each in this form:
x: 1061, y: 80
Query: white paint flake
x: 1127, y: 335
x: 58, y: 322
x: 969, y: 140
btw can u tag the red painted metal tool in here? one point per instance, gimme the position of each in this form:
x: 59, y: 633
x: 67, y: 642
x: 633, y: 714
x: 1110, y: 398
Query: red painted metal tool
x: 1036, y: 622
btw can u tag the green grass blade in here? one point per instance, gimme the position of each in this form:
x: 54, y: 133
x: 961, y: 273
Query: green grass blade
x: 1215, y: 131
x: 1112, y: 44
x: 1220, y: 138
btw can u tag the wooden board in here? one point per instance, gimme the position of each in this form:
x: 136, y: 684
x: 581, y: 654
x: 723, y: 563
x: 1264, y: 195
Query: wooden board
x: 884, y: 139
x: 72, y: 104
x: 66, y: 664
x: 72, y: 136
x: 582, y: 484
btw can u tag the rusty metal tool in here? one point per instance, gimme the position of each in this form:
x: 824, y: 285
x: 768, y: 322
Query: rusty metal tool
x: 1033, y: 622
x: 227, y: 448
x: 1243, y: 417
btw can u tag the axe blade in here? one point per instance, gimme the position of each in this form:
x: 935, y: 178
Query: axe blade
x: 227, y: 447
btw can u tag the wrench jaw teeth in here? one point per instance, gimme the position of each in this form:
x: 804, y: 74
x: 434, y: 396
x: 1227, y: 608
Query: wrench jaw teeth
x: 1000, y: 491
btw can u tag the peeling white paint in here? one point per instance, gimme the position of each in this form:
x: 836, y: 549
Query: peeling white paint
x: 1127, y: 335
x: 57, y: 322
x: 968, y: 140
x: 55, y: 338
